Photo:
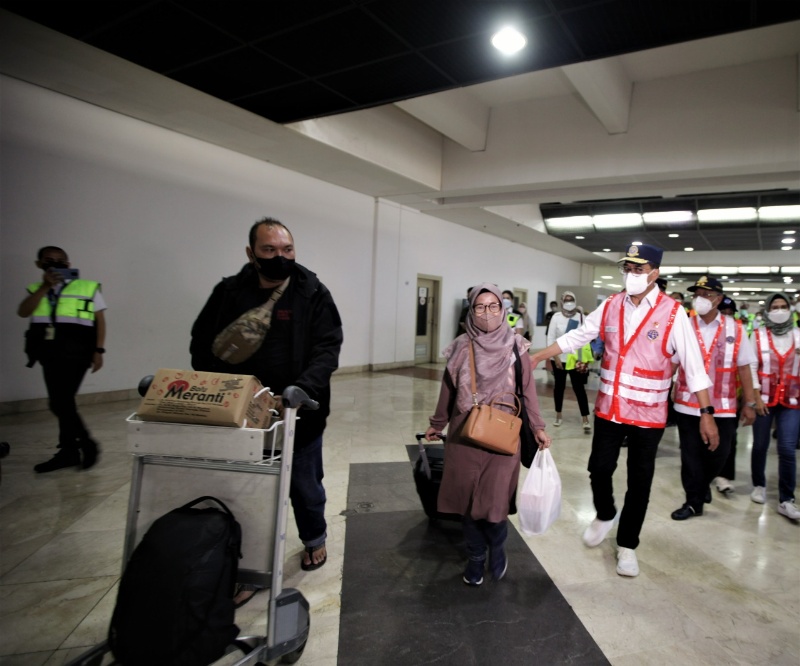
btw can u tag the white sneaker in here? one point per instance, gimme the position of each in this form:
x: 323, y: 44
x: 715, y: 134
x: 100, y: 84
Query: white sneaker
x: 789, y: 510
x: 557, y: 423
x: 759, y: 495
x: 597, y: 531
x: 587, y: 427
x: 627, y: 564
x: 723, y: 485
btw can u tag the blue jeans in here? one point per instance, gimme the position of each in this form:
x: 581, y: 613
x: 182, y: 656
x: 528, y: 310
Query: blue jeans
x: 480, y: 534
x: 788, y: 422
x: 308, y: 494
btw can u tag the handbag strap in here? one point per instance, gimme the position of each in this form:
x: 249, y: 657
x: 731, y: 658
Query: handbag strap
x: 474, y: 384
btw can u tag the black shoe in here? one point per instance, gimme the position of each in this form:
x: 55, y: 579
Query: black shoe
x: 89, y: 452
x: 707, y: 498
x: 498, y: 563
x: 686, y: 511
x: 473, y: 574
x: 62, y: 459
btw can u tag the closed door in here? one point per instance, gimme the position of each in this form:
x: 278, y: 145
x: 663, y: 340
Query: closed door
x: 426, y: 340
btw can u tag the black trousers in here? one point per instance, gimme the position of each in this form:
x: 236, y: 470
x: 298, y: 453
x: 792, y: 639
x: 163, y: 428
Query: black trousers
x: 642, y: 444
x: 699, y: 465
x: 578, y: 380
x: 63, y: 377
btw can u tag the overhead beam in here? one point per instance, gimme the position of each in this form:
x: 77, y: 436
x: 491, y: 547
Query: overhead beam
x: 454, y: 113
x: 606, y: 89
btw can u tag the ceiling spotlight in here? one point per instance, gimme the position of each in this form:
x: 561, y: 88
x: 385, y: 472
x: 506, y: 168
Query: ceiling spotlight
x: 509, y: 40
x: 787, y: 240
x: 688, y: 249
x: 580, y: 237
x: 674, y: 235
x: 789, y: 232
x: 606, y: 249
x: 786, y: 247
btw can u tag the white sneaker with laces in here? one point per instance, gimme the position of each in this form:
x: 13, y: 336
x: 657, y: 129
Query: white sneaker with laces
x: 587, y: 427
x: 557, y: 423
x: 723, y: 485
x: 789, y: 509
x: 597, y: 531
x: 627, y: 564
x: 759, y: 495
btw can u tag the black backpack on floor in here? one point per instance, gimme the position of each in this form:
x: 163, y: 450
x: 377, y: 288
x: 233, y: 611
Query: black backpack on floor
x: 175, y: 601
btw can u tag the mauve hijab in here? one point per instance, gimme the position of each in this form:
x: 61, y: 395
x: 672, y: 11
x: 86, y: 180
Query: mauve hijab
x: 493, y: 350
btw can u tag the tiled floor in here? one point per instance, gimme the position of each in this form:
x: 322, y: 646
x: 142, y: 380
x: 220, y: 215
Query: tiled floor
x: 720, y: 589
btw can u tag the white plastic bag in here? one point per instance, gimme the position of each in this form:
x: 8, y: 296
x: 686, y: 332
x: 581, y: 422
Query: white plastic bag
x: 540, y: 499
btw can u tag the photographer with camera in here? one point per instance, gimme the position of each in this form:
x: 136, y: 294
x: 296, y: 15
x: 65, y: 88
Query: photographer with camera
x: 66, y: 335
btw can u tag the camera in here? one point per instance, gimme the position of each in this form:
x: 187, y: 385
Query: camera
x: 67, y: 273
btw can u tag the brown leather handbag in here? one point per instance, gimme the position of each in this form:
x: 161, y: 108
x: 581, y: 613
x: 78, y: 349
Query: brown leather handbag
x: 489, y: 427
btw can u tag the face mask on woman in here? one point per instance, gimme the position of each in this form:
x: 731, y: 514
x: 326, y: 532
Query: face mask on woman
x: 488, y: 322
x: 702, y: 305
x: 569, y: 305
x: 636, y: 284
x: 779, y: 316
x: 506, y: 303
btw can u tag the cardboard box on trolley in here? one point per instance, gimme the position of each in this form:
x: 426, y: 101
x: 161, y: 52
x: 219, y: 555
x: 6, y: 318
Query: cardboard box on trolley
x: 207, y: 398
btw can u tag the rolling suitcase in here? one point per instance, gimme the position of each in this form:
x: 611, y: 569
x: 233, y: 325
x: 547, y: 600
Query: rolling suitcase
x: 428, y: 471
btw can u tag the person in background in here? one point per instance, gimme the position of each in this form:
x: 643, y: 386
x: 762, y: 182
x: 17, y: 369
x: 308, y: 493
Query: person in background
x: 724, y: 482
x: 527, y: 331
x: 567, y: 319
x: 301, y: 348
x: 67, y: 336
x: 726, y: 354
x: 553, y: 309
x: 645, y: 333
x: 662, y: 285
x: 462, y: 317
x: 513, y: 317
x: 777, y: 375
x: 478, y: 484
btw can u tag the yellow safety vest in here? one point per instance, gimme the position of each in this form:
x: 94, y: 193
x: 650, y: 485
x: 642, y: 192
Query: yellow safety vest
x: 75, y: 304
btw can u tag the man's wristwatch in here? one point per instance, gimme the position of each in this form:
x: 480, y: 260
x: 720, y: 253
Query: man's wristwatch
x: 707, y: 410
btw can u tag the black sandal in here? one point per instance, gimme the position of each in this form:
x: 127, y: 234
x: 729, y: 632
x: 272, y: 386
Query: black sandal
x: 240, y: 589
x: 311, y: 550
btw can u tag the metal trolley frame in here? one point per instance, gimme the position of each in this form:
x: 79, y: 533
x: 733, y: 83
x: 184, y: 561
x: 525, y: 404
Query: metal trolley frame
x: 175, y: 463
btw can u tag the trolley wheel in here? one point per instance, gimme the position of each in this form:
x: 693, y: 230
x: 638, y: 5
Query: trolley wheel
x: 294, y: 656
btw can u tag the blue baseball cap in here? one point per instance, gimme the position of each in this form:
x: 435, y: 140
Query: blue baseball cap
x: 643, y: 254
x: 707, y: 282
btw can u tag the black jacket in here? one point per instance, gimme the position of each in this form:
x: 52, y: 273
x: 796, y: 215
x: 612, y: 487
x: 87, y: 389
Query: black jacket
x: 316, y: 337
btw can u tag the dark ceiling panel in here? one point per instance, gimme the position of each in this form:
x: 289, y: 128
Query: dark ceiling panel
x: 201, y: 42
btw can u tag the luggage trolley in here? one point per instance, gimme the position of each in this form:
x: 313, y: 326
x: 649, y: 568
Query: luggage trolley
x: 175, y: 463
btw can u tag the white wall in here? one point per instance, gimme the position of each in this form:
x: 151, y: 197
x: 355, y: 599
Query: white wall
x: 159, y: 218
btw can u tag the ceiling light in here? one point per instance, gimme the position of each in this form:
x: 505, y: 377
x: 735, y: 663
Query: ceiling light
x: 580, y: 237
x: 574, y: 223
x: 702, y: 270
x: 617, y: 221
x: 735, y: 293
x: 787, y: 247
x: 509, y: 40
x: 674, y: 235
x: 688, y: 249
x: 727, y: 215
x: 670, y: 269
x: 606, y: 249
x: 779, y: 213
x: 789, y: 232
x: 607, y: 277
x: 730, y: 270
x: 753, y: 269
x: 787, y: 240
x: 794, y: 270
x: 668, y: 217
x: 669, y: 277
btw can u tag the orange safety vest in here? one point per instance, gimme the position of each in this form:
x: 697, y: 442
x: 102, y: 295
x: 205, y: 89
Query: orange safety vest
x: 635, y: 376
x: 720, y: 363
x: 778, y: 374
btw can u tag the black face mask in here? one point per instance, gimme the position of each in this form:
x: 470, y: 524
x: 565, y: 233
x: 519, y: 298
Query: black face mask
x: 47, y: 265
x: 276, y: 268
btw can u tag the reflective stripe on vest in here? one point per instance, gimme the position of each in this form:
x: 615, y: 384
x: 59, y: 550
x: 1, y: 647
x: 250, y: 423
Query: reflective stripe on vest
x: 75, y: 304
x: 720, y: 364
x: 779, y: 375
x: 635, y: 376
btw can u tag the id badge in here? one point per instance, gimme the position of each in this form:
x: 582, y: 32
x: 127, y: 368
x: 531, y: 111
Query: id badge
x: 50, y: 333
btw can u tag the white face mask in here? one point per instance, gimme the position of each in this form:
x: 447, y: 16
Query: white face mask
x: 702, y: 305
x: 506, y: 303
x: 636, y: 284
x: 779, y: 316
x: 569, y: 306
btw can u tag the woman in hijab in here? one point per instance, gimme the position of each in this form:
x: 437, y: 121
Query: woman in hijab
x: 568, y: 318
x: 526, y: 321
x: 478, y: 484
x: 777, y: 374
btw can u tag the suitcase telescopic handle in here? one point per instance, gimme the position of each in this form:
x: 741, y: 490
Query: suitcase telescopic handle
x: 295, y: 397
